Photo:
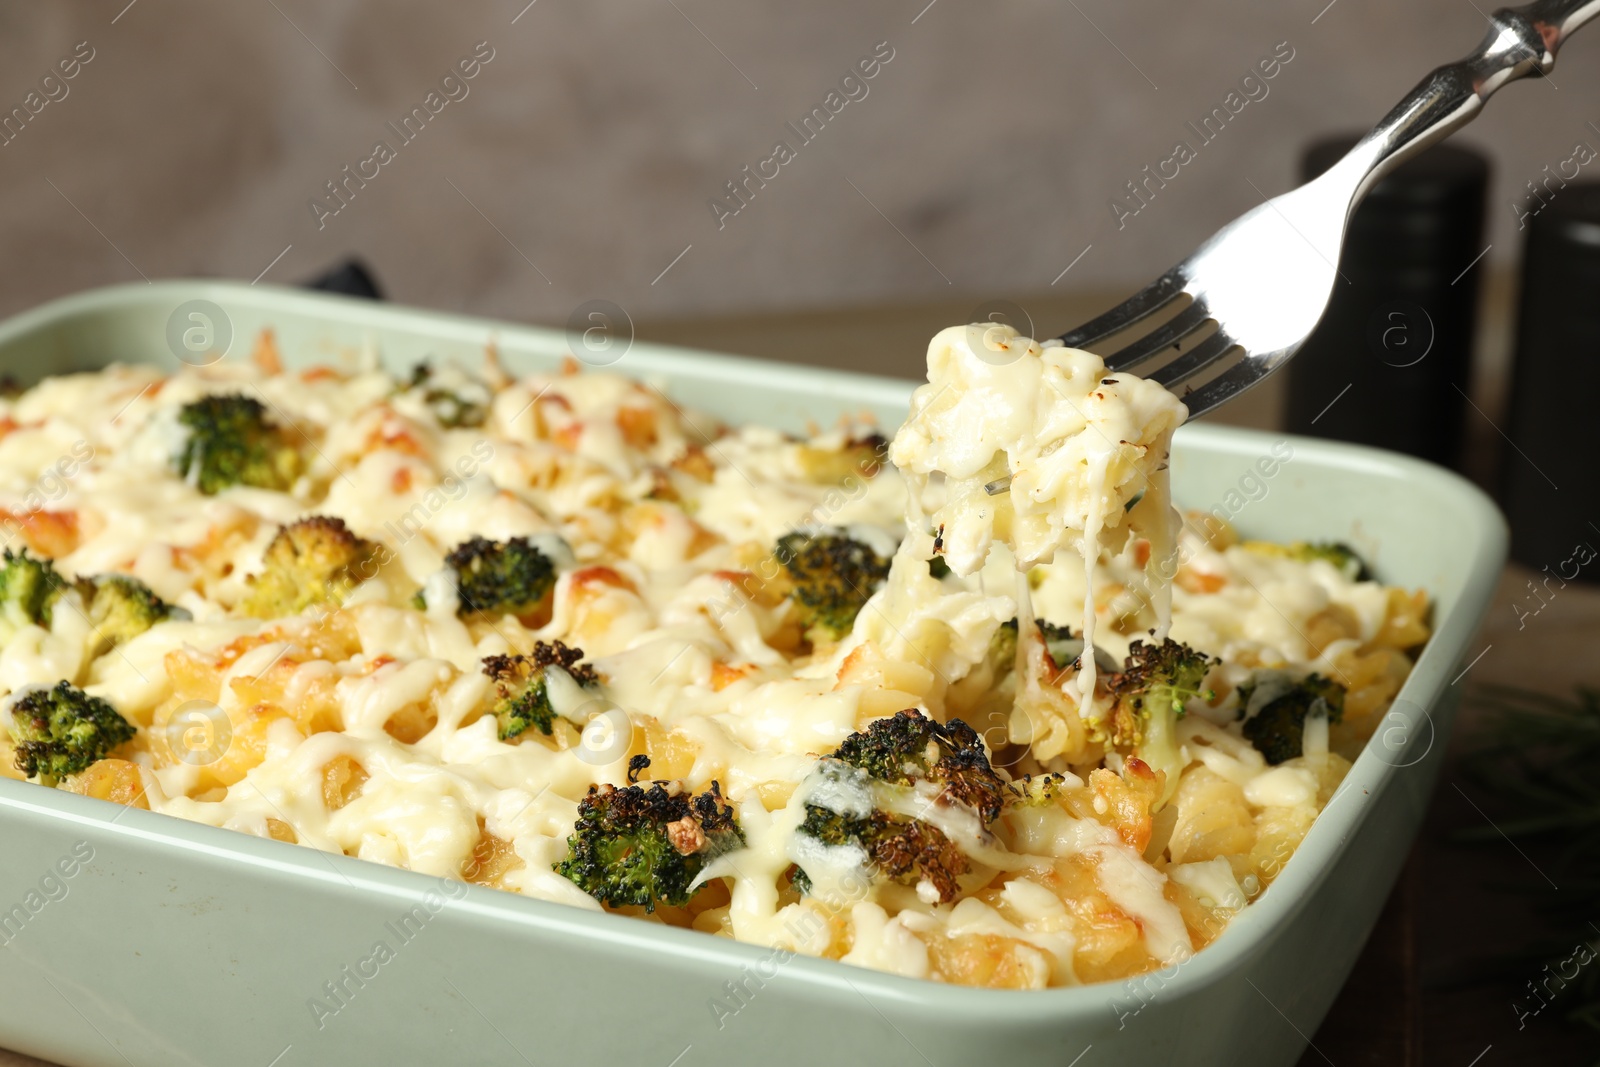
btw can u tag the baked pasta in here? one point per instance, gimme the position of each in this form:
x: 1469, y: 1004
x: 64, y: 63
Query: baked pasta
x: 555, y: 635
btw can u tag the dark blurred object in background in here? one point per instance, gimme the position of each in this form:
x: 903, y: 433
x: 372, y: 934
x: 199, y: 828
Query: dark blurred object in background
x: 1550, y: 477
x: 1391, y: 361
x: 351, y: 278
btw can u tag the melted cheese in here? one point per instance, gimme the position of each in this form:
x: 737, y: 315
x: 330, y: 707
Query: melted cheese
x: 661, y: 525
x: 1085, y: 451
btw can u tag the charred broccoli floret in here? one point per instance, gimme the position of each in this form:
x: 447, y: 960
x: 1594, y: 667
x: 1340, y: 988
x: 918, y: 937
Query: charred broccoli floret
x: 1151, y: 690
x: 1156, y: 679
x: 520, y: 681
x: 502, y: 577
x: 829, y: 577
x: 29, y: 588
x: 62, y: 730
x: 455, y: 398
x: 230, y: 441
x: 859, y: 797
x: 1342, y: 556
x: 316, y: 560
x: 898, y: 848
x: 1275, y: 706
x: 644, y: 846
x: 1063, y: 647
x: 121, y: 608
x: 909, y: 748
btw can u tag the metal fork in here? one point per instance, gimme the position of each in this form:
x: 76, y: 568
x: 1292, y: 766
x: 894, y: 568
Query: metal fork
x: 1265, y: 278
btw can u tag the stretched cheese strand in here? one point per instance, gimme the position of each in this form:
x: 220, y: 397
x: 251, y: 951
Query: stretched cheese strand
x: 1093, y: 525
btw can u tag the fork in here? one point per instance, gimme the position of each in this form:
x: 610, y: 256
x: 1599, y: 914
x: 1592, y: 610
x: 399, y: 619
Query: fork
x: 1266, y: 277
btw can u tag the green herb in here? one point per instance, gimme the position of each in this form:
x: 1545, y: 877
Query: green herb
x: 1540, y: 759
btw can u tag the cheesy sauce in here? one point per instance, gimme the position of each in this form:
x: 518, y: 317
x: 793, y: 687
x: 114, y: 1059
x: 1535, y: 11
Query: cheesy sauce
x: 364, y: 728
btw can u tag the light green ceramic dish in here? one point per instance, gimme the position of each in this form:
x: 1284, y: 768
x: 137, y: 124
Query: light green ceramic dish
x: 183, y: 944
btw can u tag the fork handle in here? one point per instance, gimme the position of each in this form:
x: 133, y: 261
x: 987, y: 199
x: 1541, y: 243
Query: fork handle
x: 1521, y: 40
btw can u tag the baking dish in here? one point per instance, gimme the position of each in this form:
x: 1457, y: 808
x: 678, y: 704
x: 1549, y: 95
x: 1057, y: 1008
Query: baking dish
x: 129, y: 937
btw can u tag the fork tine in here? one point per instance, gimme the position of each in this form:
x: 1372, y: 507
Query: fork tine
x: 1195, y: 360
x: 1226, y: 386
x: 1147, y: 301
x: 1158, y: 340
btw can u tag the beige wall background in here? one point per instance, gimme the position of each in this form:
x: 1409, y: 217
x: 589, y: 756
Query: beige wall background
x: 980, y: 163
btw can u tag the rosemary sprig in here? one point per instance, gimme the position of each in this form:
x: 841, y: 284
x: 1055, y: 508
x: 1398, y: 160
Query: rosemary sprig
x: 1539, y: 757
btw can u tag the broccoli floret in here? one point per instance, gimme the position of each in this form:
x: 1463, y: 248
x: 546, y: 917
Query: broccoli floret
x: 1156, y: 679
x: 829, y: 577
x: 520, y: 682
x: 61, y: 731
x: 938, y: 568
x: 1275, y: 706
x: 1151, y: 690
x: 857, y: 458
x: 29, y: 588
x: 316, y: 560
x: 454, y: 397
x: 1003, y: 645
x: 908, y: 748
x: 644, y: 846
x: 860, y: 792
x: 1063, y: 648
x: 121, y: 608
x: 899, y: 848
x: 230, y: 441
x: 117, y: 606
x: 1342, y: 556
x: 504, y: 577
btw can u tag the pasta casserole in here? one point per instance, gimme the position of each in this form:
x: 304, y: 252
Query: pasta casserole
x: 971, y: 702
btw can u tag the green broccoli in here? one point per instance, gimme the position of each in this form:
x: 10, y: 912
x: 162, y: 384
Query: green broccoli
x: 898, y: 848
x: 908, y: 748
x: 316, y: 560
x: 62, y: 730
x: 520, y: 683
x: 1275, y: 706
x: 29, y: 589
x: 118, y: 607
x: 1059, y: 643
x: 502, y: 577
x: 1151, y: 690
x: 230, y: 441
x: 859, y: 794
x: 454, y: 397
x: 1342, y: 556
x: 121, y: 608
x: 1003, y: 645
x: 644, y: 846
x: 1063, y: 648
x: 828, y: 577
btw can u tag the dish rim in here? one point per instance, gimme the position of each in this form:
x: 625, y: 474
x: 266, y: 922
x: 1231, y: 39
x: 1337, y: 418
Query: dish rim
x: 1247, y: 935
